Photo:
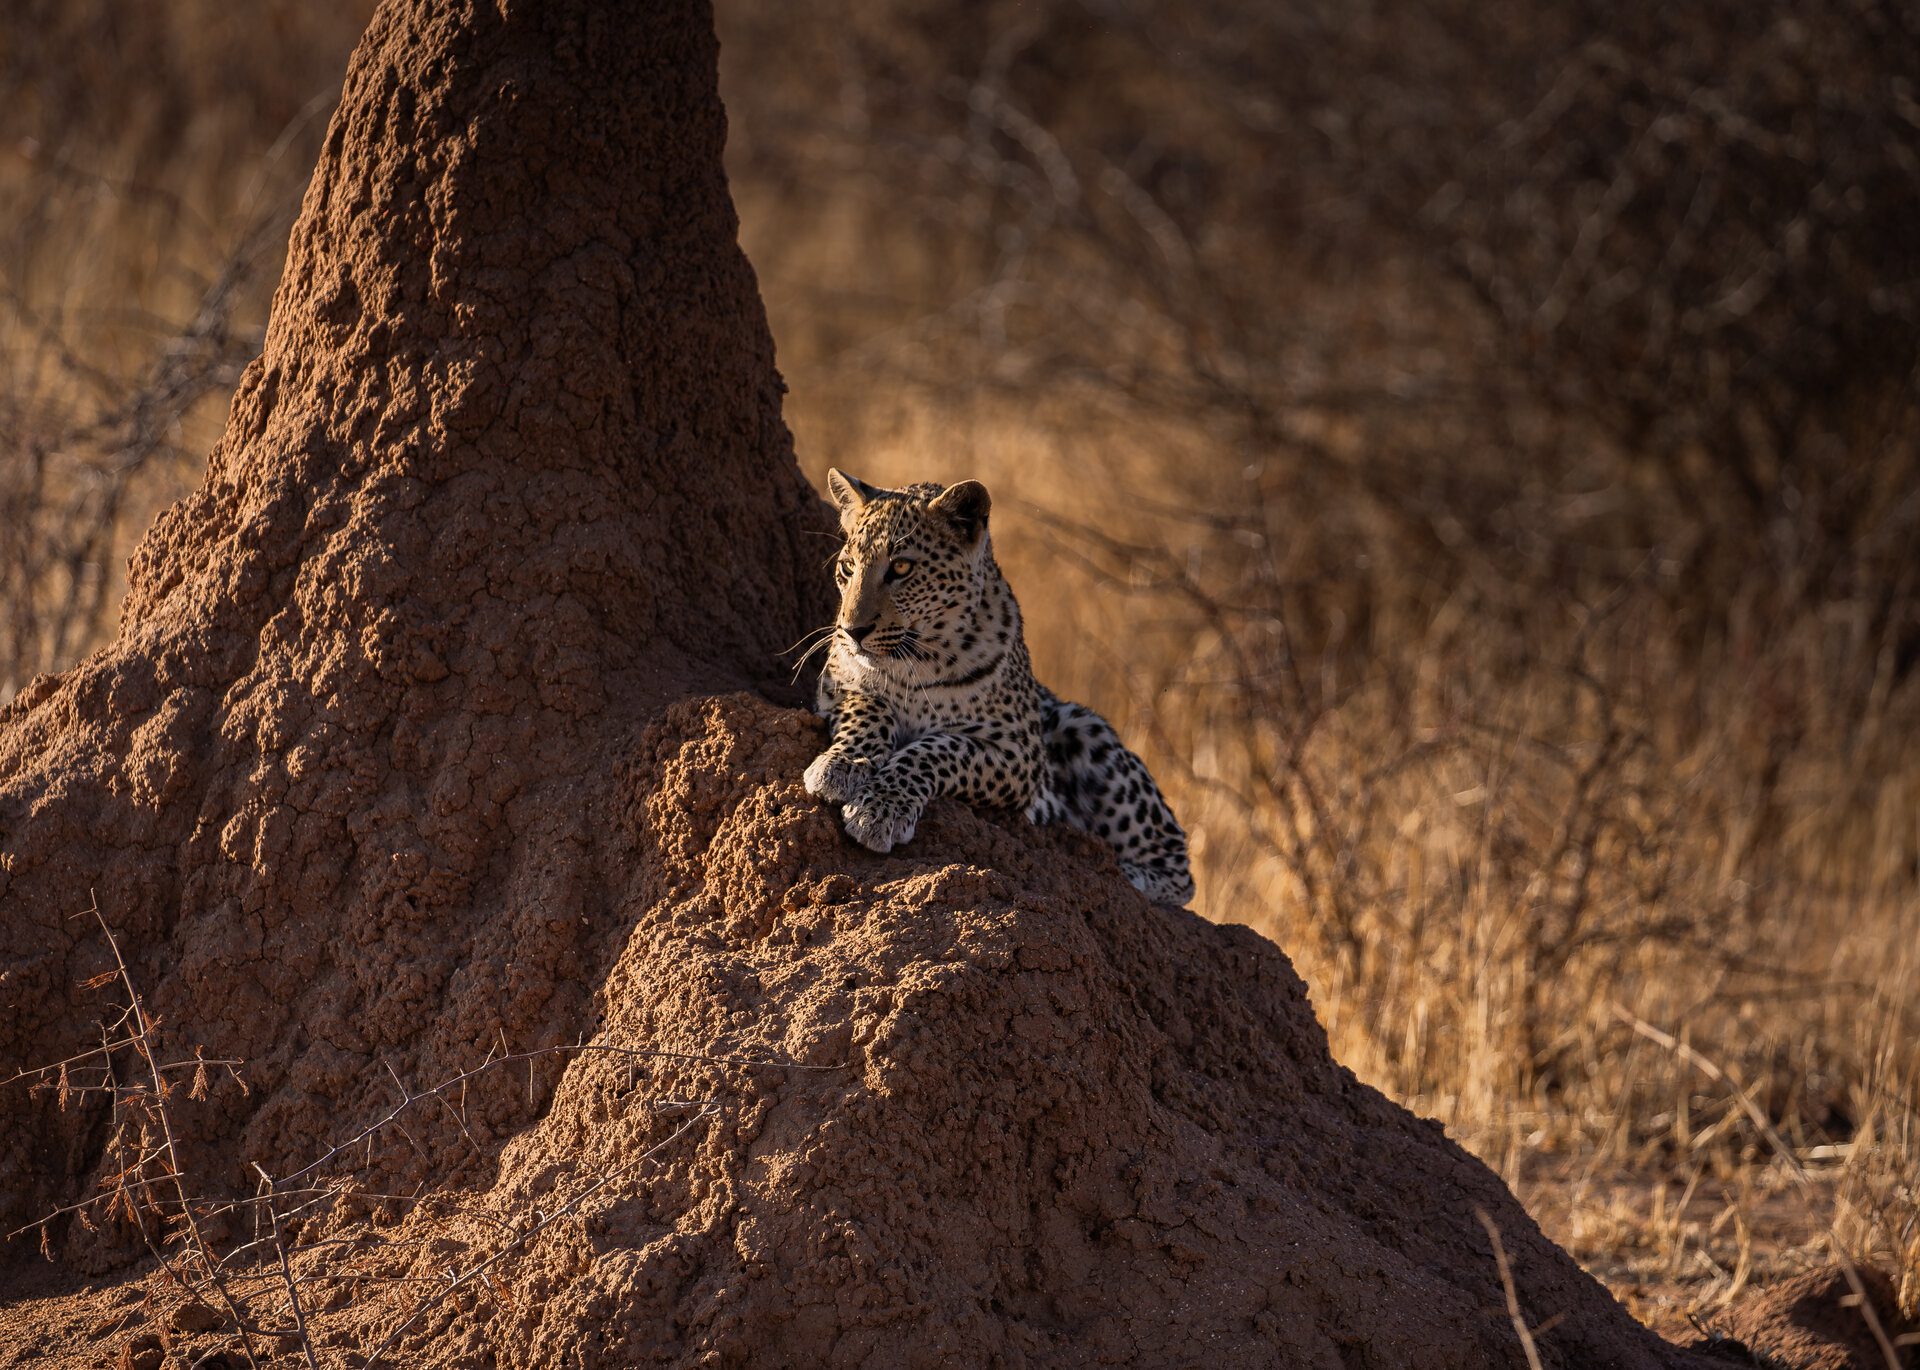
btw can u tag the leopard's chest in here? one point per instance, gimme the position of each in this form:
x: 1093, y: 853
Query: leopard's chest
x: 997, y: 710
x: 931, y: 711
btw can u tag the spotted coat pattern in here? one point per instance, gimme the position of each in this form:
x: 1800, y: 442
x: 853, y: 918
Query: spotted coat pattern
x: 928, y: 691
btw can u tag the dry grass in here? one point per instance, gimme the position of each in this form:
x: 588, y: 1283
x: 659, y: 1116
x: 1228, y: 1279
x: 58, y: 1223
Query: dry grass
x: 1529, y: 696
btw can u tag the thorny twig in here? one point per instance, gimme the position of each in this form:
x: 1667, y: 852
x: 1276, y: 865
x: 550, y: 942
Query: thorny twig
x: 166, y: 1194
x: 705, y: 1110
x: 286, y: 1273
x: 606, y: 1048
x: 143, y: 1043
x: 1518, y: 1318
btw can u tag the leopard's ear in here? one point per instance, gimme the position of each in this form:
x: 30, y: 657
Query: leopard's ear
x: 965, y: 506
x: 849, y: 492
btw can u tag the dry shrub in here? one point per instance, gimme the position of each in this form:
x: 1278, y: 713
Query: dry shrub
x: 150, y: 161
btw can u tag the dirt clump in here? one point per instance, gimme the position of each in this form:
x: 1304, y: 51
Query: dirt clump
x: 1815, y: 1322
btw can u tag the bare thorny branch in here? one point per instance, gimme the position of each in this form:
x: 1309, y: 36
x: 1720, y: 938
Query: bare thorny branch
x: 80, y: 442
x: 146, y: 1185
x: 1514, y: 1313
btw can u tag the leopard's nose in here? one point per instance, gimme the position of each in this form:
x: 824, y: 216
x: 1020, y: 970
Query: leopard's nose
x: 858, y: 634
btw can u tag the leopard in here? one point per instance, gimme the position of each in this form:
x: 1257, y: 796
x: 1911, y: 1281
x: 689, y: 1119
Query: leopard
x: 927, y: 690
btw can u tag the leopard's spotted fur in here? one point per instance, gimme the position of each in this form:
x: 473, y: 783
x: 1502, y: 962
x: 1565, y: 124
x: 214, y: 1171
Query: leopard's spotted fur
x: 928, y: 690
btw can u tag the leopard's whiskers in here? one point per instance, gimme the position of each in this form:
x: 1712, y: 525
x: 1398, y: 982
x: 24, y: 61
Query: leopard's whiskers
x: 810, y: 633
x: 824, y: 640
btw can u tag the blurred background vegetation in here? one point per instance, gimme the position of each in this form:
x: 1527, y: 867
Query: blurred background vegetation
x: 1473, y: 450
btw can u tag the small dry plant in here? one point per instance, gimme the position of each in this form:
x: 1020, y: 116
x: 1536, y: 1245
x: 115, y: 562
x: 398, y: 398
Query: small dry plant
x: 265, y: 1267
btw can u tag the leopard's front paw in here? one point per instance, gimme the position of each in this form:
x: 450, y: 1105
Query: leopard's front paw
x: 838, y: 776
x: 880, y: 820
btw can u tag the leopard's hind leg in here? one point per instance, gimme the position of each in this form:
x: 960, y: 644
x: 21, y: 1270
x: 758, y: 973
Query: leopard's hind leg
x: 1104, y: 789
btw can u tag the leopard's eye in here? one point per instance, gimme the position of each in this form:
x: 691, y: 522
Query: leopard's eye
x: 843, y: 567
x: 899, y: 568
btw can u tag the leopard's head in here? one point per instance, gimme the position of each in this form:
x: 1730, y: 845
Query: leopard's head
x: 912, y: 570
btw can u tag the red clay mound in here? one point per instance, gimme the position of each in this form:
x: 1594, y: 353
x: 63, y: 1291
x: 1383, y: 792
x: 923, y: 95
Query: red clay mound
x: 384, y: 773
